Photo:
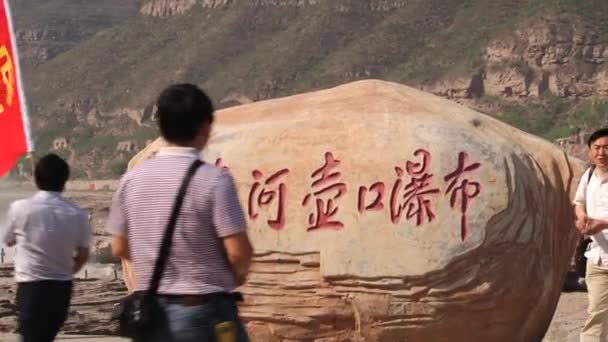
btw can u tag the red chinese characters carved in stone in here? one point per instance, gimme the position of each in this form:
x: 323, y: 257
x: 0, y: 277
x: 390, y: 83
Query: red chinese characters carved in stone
x: 326, y: 191
x: 460, y: 188
x: 377, y: 203
x: 262, y: 194
x: 413, y: 197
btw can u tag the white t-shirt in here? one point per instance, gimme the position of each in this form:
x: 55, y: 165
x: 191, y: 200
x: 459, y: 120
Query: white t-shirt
x: 593, y: 195
x: 47, y: 230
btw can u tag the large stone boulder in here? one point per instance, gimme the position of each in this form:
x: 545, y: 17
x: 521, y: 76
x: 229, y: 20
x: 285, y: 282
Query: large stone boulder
x: 383, y: 213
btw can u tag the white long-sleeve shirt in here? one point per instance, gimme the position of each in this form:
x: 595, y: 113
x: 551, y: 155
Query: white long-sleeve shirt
x: 593, y: 195
x: 47, y: 230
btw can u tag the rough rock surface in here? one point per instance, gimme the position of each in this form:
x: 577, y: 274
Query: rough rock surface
x: 383, y: 213
x: 166, y: 8
x: 553, y: 56
x: 159, y: 8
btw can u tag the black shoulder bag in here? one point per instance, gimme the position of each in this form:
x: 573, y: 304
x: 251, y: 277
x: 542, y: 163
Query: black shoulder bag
x: 139, y: 312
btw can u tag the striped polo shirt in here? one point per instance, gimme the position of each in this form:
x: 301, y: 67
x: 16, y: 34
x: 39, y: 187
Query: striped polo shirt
x: 211, y: 211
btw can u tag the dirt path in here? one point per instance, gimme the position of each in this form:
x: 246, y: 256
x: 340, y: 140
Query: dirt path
x: 569, y: 317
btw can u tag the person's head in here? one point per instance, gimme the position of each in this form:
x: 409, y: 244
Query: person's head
x: 185, y: 115
x: 598, y: 147
x: 51, y: 173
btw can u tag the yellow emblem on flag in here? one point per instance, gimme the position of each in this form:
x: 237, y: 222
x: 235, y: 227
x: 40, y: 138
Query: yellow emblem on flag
x: 7, y: 72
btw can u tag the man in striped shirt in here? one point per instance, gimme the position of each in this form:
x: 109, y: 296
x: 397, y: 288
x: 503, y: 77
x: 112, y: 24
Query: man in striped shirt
x: 211, y: 252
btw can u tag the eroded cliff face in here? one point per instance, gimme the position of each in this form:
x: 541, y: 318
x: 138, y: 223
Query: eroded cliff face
x: 161, y: 8
x: 554, y: 56
x: 251, y: 50
x: 47, y: 28
x: 40, y: 44
x: 166, y: 8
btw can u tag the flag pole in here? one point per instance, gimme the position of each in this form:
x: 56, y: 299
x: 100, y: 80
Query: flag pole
x: 17, y: 62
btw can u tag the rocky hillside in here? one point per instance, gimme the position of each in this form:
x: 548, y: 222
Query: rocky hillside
x: 47, y: 28
x: 94, y: 68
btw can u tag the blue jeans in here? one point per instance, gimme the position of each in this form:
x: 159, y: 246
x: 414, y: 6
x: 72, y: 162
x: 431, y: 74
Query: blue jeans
x: 197, y: 323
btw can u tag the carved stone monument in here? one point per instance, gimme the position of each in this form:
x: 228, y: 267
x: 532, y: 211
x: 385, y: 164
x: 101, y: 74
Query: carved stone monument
x: 383, y: 213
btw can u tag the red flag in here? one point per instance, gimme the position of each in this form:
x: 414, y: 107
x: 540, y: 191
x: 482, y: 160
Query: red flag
x: 14, y: 125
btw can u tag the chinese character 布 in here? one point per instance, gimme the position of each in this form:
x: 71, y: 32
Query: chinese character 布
x: 461, y: 189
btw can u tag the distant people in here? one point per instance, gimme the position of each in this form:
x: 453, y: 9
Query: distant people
x: 591, y: 206
x: 210, y: 252
x: 52, y: 238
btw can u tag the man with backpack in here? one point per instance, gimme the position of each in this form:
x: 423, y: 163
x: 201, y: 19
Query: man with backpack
x: 591, y: 208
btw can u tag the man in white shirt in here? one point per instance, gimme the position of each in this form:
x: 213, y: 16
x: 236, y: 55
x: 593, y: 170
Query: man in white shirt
x: 52, y: 238
x: 591, y: 206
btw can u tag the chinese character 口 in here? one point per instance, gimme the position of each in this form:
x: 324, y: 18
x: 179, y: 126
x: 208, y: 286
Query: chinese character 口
x: 377, y: 204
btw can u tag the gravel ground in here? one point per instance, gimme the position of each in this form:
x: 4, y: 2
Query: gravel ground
x: 93, y: 298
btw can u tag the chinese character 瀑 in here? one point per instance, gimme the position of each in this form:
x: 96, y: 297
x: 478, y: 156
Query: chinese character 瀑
x: 413, y: 196
x: 463, y: 188
x: 329, y: 190
x: 264, y: 192
x: 377, y: 203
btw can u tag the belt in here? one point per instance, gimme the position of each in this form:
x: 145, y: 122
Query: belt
x: 200, y: 299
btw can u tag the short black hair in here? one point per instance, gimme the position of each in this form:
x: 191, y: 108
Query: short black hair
x: 51, y: 173
x: 182, y: 109
x: 600, y: 133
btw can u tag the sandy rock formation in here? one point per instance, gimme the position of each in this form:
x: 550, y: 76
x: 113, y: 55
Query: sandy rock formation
x: 383, y: 213
x: 551, y: 56
x: 161, y: 8
x: 164, y: 8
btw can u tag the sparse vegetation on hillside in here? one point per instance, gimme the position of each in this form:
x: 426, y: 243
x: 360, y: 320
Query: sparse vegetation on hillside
x: 265, y: 52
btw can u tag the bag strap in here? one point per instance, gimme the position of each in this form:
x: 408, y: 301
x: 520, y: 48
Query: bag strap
x: 589, y: 175
x: 591, y: 170
x: 165, y: 247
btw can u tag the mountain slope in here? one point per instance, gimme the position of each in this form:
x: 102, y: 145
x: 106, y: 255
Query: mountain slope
x: 47, y: 28
x: 537, y: 64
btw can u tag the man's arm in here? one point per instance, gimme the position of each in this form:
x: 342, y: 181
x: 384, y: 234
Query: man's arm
x: 595, y: 226
x: 120, y: 247
x: 82, y: 255
x: 580, y: 202
x: 117, y: 226
x: 240, y: 253
x: 231, y: 227
x: 10, y: 240
x: 83, y: 243
x: 8, y: 231
x: 581, y: 217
